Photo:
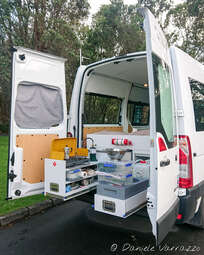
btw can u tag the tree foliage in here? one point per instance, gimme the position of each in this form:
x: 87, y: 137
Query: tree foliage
x: 43, y: 25
x: 187, y: 27
x: 116, y: 30
x: 157, y: 7
x: 57, y: 27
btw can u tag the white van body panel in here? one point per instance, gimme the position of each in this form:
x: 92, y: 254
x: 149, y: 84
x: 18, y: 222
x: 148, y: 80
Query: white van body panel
x: 34, y: 68
x: 186, y: 67
x: 163, y: 180
x: 73, y: 112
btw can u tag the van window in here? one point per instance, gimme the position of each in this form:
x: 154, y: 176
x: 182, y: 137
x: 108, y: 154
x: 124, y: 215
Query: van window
x: 38, y: 106
x: 100, y: 109
x: 165, y: 120
x: 138, y: 113
x: 197, y: 92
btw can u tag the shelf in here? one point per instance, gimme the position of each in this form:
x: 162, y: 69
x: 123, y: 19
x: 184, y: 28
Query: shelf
x: 81, y: 189
x: 81, y: 179
x: 81, y: 166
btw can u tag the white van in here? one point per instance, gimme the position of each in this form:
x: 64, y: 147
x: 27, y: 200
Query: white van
x: 165, y: 84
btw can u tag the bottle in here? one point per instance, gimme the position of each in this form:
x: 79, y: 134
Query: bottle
x: 66, y: 152
x: 93, y: 153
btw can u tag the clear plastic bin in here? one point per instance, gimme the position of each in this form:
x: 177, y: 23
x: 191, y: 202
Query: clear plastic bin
x: 73, y: 174
x: 120, y: 178
x: 142, y: 169
x: 115, y: 166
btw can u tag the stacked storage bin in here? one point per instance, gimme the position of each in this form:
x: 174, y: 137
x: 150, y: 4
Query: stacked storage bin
x: 117, y: 172
x: 118, y: 192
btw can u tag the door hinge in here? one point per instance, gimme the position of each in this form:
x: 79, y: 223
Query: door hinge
x: 12, y: 176
x: 13, y: 159
x: 150, y: 202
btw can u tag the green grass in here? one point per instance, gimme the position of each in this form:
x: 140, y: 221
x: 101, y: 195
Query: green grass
x: 11, y: 205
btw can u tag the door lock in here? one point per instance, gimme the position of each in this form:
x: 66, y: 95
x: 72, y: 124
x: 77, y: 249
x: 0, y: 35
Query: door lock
x: 12, y: 176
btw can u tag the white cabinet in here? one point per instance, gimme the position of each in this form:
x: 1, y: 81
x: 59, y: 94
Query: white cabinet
x: 67, y: 183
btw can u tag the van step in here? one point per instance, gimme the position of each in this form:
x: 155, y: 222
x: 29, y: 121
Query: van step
x: 142, y: 212
x: 136, y: 224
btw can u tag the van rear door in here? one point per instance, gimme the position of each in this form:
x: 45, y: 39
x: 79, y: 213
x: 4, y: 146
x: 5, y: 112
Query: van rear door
x: 38, y: 115
x: 162, y: 195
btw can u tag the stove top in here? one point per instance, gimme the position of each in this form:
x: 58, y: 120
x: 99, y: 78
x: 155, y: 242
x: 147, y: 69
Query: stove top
x: 76, y: 161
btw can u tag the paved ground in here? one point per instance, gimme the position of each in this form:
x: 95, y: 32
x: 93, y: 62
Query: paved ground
x: 66, y: 230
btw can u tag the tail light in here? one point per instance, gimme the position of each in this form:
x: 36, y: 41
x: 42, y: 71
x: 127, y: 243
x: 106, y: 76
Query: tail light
x: 185, y: 163
x: 179, y: 216
x: 162, y: 145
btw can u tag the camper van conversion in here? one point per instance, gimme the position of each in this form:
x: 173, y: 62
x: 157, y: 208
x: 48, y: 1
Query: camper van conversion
x: 141, y: 116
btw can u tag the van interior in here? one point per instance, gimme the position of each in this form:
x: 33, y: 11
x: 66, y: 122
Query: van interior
x: 117, y: 111
x: 125, y: 85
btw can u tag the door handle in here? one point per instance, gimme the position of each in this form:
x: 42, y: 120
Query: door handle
x: 164, y: 163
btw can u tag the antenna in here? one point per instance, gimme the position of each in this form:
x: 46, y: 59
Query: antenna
x: 81, y: 57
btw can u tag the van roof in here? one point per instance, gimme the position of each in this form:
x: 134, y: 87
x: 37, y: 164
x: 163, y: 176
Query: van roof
x: 118, y: 58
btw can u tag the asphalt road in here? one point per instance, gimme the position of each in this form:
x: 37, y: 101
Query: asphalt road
x: 66, y: 230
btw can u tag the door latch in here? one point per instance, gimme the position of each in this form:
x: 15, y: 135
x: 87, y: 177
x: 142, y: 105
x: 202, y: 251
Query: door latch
x: 150, y: 201
x: 12, y: 176
x: 165, y: 162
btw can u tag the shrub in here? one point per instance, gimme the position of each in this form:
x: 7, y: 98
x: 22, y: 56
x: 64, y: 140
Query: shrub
x: 4, y: 128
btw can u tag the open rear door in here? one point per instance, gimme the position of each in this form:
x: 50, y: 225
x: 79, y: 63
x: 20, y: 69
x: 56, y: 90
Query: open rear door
x: 38, y: 115
x: 162, y: 194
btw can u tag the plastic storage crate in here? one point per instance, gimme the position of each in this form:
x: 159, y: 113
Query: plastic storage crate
x: 120, y: 178
x: 142, y: 169
x: 115, y: 166
x: 121, y: 192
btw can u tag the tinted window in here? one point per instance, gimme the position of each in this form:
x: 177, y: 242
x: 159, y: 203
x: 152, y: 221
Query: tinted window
x: 38, y: 106
x: 99, y: 109
x: 138, y: 113
x: 165, y: 120
x: 197, y: 92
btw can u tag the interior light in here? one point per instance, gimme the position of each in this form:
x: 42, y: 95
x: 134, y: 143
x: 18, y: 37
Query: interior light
x: 146, y: 85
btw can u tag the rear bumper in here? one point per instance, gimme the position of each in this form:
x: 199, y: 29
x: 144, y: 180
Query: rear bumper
x: 137, y: 224
x: 188, y: 203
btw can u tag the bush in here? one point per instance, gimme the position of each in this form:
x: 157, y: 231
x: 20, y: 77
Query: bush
x: 4, y: 128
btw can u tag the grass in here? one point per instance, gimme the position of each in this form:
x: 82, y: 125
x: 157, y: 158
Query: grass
x: 11, y: 205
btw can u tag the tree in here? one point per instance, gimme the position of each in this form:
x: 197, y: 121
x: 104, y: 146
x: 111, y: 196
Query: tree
x: 157, y: 7
x: 187, y: 27
x: 48, y: 26
x: 116, y: 30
